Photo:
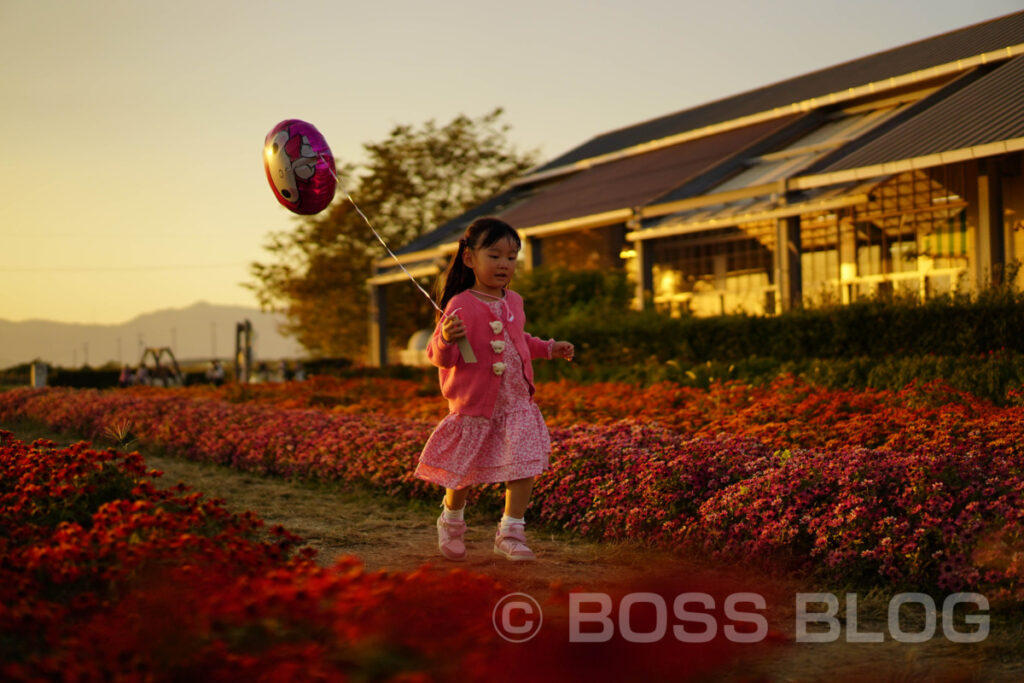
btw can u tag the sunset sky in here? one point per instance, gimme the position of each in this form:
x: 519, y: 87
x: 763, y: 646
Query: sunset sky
x: 131, y: 175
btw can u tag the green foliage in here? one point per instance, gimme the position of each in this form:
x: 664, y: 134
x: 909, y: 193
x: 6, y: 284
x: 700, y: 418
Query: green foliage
x: 975, y: 344
x: 998, y: 377
x: 995, y: 376
x: 414, y: 181
x: 82, y: 378
x: 16, y: 375
x: 550, y: 294
x: 873, y: 330
x: 318, y: 281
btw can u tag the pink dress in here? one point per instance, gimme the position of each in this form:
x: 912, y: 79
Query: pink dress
x: 512, y: 444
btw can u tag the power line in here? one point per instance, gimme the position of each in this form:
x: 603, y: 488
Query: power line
x: 103, y: 269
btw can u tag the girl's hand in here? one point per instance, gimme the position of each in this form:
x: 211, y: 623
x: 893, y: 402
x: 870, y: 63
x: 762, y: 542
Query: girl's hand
x: 563, y: 349
x: 452, y: 330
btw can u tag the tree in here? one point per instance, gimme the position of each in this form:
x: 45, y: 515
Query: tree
x: 413, y: 182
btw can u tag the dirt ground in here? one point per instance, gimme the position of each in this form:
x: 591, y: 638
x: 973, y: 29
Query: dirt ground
x: 399, y: 535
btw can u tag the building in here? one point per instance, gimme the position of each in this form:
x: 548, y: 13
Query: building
x: 896, y: 172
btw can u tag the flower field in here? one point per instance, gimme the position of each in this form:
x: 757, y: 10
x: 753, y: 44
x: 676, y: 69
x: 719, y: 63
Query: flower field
x: 919, y: 488
x: 103, y: 577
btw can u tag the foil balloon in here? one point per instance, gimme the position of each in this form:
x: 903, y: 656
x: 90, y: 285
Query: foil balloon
x: 299, y: 166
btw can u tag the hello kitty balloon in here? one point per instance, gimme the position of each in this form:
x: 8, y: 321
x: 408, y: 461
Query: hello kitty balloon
x: 299, y: 166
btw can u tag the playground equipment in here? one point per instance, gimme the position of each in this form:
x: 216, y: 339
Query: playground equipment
x: 161, y: 374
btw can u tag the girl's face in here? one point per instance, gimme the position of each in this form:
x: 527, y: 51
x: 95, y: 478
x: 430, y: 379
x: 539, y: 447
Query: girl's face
x: 493, y: 266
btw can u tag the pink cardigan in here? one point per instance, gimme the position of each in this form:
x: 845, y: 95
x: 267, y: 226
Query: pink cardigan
x: 472, y: 388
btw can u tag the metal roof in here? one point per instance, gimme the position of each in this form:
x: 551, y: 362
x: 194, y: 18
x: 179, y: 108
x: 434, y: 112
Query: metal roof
x: 942, y: 49
x: 750, y: 209
x: 453, y: 229
x: 634, y: 181
x: 986, y: 109
x: 991, y: 109
x: 786, y: 161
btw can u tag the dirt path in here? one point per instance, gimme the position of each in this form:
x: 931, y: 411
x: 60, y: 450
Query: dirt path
x: 399, y: 535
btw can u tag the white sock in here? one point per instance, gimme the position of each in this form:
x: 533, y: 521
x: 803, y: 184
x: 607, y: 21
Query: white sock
x: 507, y: 521
x: 453, y: 515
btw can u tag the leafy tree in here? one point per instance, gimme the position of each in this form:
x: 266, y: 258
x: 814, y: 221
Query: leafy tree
x: 413, y: 182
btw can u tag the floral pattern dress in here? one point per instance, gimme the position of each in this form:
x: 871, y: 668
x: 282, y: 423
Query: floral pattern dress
x: 513, y: 443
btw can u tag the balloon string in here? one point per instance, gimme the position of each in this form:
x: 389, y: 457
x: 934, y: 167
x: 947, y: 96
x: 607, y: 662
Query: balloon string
x: 379, y: 238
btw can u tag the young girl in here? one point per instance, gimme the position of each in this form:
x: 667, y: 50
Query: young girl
x: 494, y: 432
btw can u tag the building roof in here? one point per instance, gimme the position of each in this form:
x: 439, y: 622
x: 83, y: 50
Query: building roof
x: 675, y: 157
x: 754, y: 208
x: 636, y: 180
x: 942, y: 49
x: 453, y: 229
x: 990, y: 109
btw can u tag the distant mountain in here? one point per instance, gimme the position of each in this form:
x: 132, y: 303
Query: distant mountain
x: 199, y: 332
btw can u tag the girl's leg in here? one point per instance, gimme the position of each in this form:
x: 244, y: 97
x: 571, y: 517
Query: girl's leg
x: 451, y: 527
x: 517, y: 497
x: 455, y: 499
x: 510, y: 540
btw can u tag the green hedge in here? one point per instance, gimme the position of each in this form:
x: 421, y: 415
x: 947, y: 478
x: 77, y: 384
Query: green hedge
x: 16, y: 375
x: 998, y: 377
x: 550, y: 294
x: 874, y: 330
x: 974, y: 342
x: 84, y: 378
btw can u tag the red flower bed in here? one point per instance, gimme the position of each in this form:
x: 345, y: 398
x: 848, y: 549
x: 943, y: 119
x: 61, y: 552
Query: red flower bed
x: 785, y: 413
x: 917, y: 488
x: 103, y: 577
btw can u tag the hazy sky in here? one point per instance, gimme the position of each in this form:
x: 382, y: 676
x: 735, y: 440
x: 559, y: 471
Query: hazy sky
x: 131, y: 176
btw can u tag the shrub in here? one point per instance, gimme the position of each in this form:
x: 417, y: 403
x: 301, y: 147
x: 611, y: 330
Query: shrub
x: 553, y: 293
x: 874, y: 329
x: 85, y: 378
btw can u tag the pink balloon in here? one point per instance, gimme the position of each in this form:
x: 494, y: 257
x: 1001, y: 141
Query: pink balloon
x: 299, y: 166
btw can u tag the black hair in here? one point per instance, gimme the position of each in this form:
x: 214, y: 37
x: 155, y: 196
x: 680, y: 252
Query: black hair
x: 483, y: 232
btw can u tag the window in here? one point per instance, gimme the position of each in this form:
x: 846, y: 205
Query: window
x: 911, y: 238
x: 727, y: 270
